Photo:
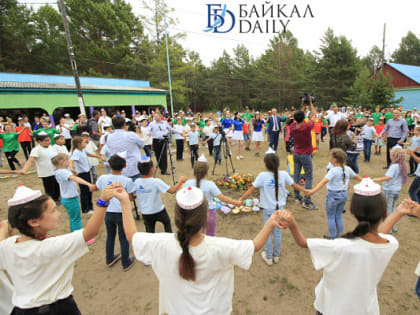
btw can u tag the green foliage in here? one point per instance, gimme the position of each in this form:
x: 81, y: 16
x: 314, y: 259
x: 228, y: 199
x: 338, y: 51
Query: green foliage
x: 381, y: 92
x: 408, y: 52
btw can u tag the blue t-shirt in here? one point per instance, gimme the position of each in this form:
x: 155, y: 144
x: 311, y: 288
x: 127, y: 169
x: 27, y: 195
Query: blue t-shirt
x: 266, y: 183
x: 237, y: 125
x: 415, y: 143
x: 217, y: 137
x: 227, y: 123
x: 258, y: 125
x: 368, y: 132
x: 336, y: 175
x: 105, y: 151
x: 395, y: 183
x: 210, y: 190
x: 81, y: 161
x: 193, y: 137
x: 68, y: 188
x: 106, y: 180
x: 148, y: 194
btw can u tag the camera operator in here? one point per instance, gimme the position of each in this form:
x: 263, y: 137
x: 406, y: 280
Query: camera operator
x: 159, y: 130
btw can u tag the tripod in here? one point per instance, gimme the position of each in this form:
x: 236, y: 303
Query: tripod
x: 165, y: 146
x: 224, y: 146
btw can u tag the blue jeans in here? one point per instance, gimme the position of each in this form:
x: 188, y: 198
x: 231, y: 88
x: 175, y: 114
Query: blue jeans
x: 391, y: 200
x: 73, y: 210
x: 305, y: 161
x: 414, y: 189
x: 334, y: 203
x: 354, y: 157
x: 112, y: 221
x: 269, y: 252
x: 274, y: 139
x: 367, y: 145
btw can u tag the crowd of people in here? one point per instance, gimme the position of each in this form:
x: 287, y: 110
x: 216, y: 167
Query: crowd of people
x: 195, y: 268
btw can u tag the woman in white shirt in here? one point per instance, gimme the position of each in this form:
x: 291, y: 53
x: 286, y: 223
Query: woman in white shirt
x: 195, y: 272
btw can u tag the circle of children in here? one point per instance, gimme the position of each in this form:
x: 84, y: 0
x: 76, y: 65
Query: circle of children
x: 195, y: 268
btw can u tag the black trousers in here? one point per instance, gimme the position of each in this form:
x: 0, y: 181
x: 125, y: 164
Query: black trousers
x: 161, y: 152
x: 66, y: 306
x: 323, y: 133
x: 210, y: 144
x: 85, y: 194
x: 413, y: 163
x: 390, y: 142
x: 151, y: 219
x: 179, y: 149
x: 148, y: 150
x: 11, y: 159
x: 51, y: 187
x: 68, y: 144
x: 194, y: 153
x: 26, y: 148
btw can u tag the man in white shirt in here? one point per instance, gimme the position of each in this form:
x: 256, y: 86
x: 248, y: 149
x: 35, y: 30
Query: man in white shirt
x: 104, y: 120
x: 333, y: 116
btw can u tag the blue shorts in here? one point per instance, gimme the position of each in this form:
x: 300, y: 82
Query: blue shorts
x: 246, y: 136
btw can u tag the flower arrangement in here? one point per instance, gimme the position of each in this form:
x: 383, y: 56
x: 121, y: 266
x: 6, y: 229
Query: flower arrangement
x: 237, y: 181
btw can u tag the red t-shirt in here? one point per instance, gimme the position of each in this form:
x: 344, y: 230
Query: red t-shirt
x: 24, y: 136
x: 318, y: 126
x: 1, y: 141
x: 303, y: 137
x: 379, y: 128
x: 245, y: 128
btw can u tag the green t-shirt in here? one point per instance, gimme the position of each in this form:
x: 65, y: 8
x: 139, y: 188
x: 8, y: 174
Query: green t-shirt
x: 247, y: 116
x: 10, y: 142
x: 50, y: 132
x: 184, y: 121
x: 409, y: 121
x: 75, y: 127
x: 359, y: 115
x: 376, y: 117
x: 201, y: 125
x: 388, y: 116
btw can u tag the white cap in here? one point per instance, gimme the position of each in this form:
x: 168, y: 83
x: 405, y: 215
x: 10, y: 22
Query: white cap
x: 367, y: 187
x: 42, y: 133
x: 23, y: 195
x: 189, y: 198
x: 85, y: 133
x: 122, y: 155
x: 52, y: 154
x: 66, y: 115
x: 104, y: 126
x: 57, y: 135
x: 202, y: 158
x: 270, y: 151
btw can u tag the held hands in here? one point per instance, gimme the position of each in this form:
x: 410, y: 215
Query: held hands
x: 92, y: 188
x: 283, y: 219
x: 120, y: 193
x: 409, y: 207
x: 238, y: 203
x: 309, y: 192
x: 109, y: 191
x: 182, y: 179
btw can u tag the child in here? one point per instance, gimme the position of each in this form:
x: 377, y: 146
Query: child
x: 148, y: 190
x: 395, y: 176
x: 41, y: 267
x: 68, y: 189
x: 273, y: 194
x: 146, y: 137
x: 354, y: 264
x: 91, y: 148
x: 195, y: 272
x: 217, y: 139
x: 80, y: 166
x: 193, y: 139
x: 337, y: 181
x: 414, y: 146
x: 379, y: 142
x: 60, y: 144
x: 211, y: 191
x: 257, y: 135
x: 106, y: 154
x: 113, y: 217
x: 238, y: 133
x: 415, y: 185
x: 247, y: 138
x: 41, y: 156
x: 207, y: 132
x: 179, y: 138
x: 368, y: 132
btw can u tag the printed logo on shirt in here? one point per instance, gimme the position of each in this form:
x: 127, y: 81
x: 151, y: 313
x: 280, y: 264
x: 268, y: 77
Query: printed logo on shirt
x: 109, y: 183
x: 142, y: 190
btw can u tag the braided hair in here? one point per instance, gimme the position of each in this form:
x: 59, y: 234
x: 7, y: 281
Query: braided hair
x: 272, y: 163
x: 200, y: 172
x: 340, y: 156
x: 189, y: 223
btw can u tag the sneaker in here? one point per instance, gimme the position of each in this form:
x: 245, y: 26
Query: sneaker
x: 90, y: 212
x: 394, y: 229
x: 238, y: 157
x: 309, y: 205
x: 268, y: 261
x: 411, y: 175
x: 112, y: 263
x: 91, y: 241
x: 298, y: 200
x: 276, y: 259
x: 132, y: 261
x: 247, y: 149
x: 241, y: 157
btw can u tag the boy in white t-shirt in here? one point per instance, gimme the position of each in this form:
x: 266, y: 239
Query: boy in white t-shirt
x: 91, y: 148
x: 59, y: 145
x: 145, y: 135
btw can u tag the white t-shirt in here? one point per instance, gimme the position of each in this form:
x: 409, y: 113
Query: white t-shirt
x: 44, y: 167
x: 180, y: 128
x: 148, y: 140
x: 333, y: 118
x: 6, y: 293
x: 104, y: 121
x: 41, y: 271
x: 208, y: 130
x: 61, y: 149
x: 64, y: 131
x: 211, y: 293
x: 92, y: 148
x: 352, y: 269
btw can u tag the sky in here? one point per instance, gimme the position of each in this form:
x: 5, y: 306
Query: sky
x: 361, y: 21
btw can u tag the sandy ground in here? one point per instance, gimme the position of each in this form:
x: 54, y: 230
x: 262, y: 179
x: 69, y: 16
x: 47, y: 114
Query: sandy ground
x: 285, y: 288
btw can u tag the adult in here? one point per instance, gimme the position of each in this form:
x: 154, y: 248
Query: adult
x: 159, y: 130
x: 11, y: 145
x: 333, y: 116
x: 247, y: 115
x: 104, y: 120
x: 25, y: 138
x: 81, y: 125
x: 122, y: 140
x: 302, y: 155
x: 258, y: 134
x: 36, y: 124
x: 68, y: 120
x: 397, y: 131
x: 340, y: 139
x: 274, y: 128
x: 64, y: 130
x: 93, y: 127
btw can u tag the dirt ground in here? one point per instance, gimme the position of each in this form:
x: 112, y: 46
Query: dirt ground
x: 285, y: 288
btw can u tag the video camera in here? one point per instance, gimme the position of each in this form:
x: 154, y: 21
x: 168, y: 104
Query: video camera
x: 306, y: 98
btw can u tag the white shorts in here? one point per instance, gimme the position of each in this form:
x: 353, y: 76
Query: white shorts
x: 257, y: 136
x: 228, y: 132
x: 379, y: 141
x: 238, y: 135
